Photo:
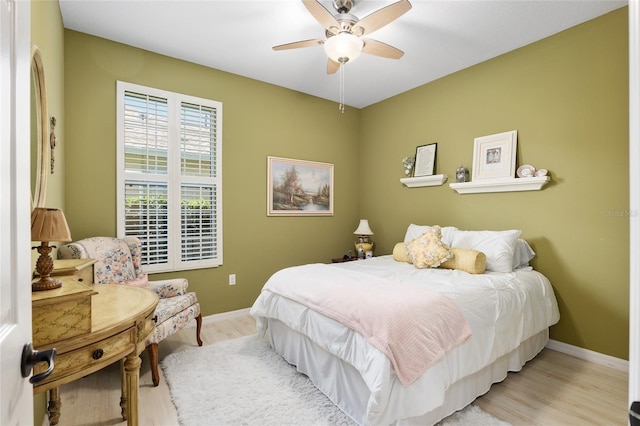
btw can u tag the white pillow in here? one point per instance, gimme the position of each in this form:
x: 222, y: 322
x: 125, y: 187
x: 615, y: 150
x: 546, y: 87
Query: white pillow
x: 498, y: 246
x: 522, y: 254
x: 414, y: 231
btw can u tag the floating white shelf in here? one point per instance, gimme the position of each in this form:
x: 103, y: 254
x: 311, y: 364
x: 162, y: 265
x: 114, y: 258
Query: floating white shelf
x: 433, y: 180
x: 501, y: 185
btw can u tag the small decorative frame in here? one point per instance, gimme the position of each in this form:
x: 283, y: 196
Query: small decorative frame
x: 299, y: 187
x: 494, y: 156
x: 425, y: 160
x: 53, y: 141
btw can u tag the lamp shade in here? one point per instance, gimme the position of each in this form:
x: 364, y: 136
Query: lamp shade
x: 49, y: 225
x: 363, y: 228
x: 343, y: 47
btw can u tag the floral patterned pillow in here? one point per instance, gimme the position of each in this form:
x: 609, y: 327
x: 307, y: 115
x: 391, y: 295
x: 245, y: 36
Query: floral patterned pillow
x: 428, y: 250
x: 141, y: 281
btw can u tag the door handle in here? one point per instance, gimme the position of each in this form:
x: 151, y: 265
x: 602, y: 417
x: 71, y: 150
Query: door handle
x: 31, y: 357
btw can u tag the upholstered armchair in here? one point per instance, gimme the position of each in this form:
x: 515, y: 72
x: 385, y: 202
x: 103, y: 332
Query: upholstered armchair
x: 119, y: 262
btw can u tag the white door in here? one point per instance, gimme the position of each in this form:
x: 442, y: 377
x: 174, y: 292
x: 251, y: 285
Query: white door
x: 634, y: 205
x: 16, y: 393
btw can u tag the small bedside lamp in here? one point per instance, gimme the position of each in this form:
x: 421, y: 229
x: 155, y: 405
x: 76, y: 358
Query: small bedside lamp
x: 364, y: 243
x: 47, y: 225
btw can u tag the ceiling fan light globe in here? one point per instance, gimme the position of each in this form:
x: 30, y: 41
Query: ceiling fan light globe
x: 343, y: 47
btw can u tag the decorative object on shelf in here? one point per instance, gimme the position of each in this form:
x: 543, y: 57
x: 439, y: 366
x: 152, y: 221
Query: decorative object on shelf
x: 299, y: 187
x: 364, y: 245
x: 462, y: 174
x: 425, y: 160
x: 408, y: 163
x: 53, y: 141
x: 494, y: 156
x: 47, y: 225
x: 526, y: 170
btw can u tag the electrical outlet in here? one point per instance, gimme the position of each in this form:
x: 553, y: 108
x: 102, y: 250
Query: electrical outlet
x: 232, y: 279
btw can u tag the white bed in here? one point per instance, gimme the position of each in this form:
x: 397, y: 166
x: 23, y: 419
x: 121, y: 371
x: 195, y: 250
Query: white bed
x: 509, y: 314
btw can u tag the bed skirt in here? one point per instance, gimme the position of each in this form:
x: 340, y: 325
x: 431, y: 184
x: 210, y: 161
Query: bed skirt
x: 344, y: 386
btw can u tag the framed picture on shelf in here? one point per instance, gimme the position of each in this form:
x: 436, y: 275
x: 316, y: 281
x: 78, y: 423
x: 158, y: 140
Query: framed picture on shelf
x: 299, y: 187
x: 494, y: 156
x: 425, y: 160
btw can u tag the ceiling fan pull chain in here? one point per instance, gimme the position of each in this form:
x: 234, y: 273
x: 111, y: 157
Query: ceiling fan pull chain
x: 341, y: 106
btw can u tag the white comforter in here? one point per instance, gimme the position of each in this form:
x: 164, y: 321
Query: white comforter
x: 502, y: 309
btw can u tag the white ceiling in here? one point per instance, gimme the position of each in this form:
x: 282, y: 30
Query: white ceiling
x: 438, y: 37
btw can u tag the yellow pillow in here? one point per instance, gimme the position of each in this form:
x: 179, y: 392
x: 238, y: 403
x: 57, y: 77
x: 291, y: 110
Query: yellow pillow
x: 400, y: 253
x: 428, y: 250
x: 467, y: 260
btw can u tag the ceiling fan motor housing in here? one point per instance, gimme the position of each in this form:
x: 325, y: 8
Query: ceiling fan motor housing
x: 343, y: 6
x: 347, y: 23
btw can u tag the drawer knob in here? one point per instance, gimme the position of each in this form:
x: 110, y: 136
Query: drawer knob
x: 97, y: 354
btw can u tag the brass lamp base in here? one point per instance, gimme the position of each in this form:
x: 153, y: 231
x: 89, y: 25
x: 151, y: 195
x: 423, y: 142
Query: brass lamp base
x: 45, y: 283
x: 365, y: 246
x: 44, y: 267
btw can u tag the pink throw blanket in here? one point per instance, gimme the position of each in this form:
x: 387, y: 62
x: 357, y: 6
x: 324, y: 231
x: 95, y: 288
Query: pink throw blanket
x: 412, y: 326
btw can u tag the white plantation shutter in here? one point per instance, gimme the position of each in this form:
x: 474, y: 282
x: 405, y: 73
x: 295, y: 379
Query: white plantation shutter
x: 198, y: 127
x: 198, y: 149
x: 146, y: 133
x: 169, y: 177
x: 147, y: 217
x: 199, y: 233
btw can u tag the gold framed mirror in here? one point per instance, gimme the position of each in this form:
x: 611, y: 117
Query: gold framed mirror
x: 40, y: 152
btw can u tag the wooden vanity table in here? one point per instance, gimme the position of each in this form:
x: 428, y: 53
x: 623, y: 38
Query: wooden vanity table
x: 91, y: 327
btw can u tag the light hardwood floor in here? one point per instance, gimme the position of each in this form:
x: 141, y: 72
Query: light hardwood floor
x: 552, y: 389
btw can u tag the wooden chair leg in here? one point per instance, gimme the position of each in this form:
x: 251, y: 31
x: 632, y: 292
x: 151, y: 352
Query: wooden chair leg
x: 152, y: 352
x: 198, y: 328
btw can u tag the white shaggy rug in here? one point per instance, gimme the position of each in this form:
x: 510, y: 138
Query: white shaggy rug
x: 244, y: 382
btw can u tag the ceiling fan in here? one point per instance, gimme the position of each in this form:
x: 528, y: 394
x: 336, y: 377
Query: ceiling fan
x: 344, y: 32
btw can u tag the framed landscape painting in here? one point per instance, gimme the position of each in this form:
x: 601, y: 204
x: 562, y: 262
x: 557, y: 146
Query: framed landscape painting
x: 299, y: 187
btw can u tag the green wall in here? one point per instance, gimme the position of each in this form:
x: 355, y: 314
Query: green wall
x: 259, y: 120
x: 47, y: 33
x: 567, y: 96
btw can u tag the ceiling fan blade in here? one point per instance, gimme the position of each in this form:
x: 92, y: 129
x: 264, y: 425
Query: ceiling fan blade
x: 332, y: 66
x: 378, y: 48
x: 322, y: 15
x: 299, y: 44
x: 382, y: 17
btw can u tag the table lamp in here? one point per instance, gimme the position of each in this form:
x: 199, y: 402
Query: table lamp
x: 47, y: 225
x: 364, y: 244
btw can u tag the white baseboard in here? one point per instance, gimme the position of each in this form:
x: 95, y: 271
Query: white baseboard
x: 225, y: 315
x: 588, y: 355
x: 217, y: 317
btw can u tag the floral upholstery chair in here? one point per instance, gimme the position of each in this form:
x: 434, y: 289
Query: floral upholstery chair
x: 119, y: 262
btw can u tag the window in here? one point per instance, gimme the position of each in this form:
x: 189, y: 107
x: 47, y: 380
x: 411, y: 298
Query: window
x: 169, y: 177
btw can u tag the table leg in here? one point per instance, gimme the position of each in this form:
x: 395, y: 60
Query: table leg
x: 123, y: 394
x: 54, y: 406
x: 132, y: 380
